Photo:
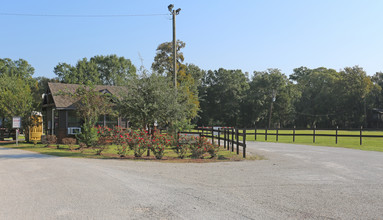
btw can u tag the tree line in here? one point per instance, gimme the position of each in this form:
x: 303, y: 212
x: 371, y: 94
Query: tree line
x: 320, y: 97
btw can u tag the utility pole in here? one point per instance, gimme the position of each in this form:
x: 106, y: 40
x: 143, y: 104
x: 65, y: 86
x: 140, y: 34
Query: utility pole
x: 174, y: 13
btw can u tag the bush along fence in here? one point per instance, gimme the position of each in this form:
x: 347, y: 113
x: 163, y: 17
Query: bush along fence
x: 229, y: 137
x: 314, y: 133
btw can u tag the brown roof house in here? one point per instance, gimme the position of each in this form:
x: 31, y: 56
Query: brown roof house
x: 59, y: 110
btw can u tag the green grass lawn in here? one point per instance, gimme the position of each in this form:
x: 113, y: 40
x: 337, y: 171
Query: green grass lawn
x: 371, y: 144
x: 111, y: 153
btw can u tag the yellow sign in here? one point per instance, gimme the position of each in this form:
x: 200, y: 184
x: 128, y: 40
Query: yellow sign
x: 36, y: 130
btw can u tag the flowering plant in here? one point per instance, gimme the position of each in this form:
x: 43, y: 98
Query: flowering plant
x: 104, y: 131
x: 158, y: 144
x: 200, y: 146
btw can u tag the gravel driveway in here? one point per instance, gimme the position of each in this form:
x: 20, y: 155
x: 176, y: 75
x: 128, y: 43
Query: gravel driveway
x: 294, y: 182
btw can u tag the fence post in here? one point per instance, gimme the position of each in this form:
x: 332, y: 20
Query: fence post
x: 237, y: 134
x: 212, y: 135
x: 361, y: 127
x: 336, y: 135
x: 232, y: 139
x: 266, y: 134
x: 244, y: 143
x: 219, y: 137
x: 294, y: 134
x: 224, y: 138
x: 178, y: 141
x: 314, y: 134
x: 255, y: 133
x: 276, y: 136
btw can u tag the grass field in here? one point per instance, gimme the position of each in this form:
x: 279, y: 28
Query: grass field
x: 371, y: 144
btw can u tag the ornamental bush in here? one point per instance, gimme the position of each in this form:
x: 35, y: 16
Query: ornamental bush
x: 158, y: 144
x: 51, y: 139
x: 182, y: 150
x: 101, y: 145
x: 70, y: 142
x: 200, y: 146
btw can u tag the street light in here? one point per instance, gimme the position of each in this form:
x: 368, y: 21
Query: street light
x: 174, y: 13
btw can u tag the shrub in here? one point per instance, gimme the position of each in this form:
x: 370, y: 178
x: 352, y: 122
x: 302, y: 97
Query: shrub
x: 51, y: 139
x: 182, y: 150
x: 196, y: 151
x: 122, y: 150
x: 200, y: 147
x: 104, y: 131
x: 159, y: 142
x: 70, y: 142
x: 139, y: 150
x: 212, y: 149
x: 82, y: 146
x: 88, y: 135
x: 119, y: 135
x: 101, y: 145
x: 135, y: 142
x: 158, y: 151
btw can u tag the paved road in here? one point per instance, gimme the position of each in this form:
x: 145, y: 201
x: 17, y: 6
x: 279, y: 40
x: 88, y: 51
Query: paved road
x: 294, y: 182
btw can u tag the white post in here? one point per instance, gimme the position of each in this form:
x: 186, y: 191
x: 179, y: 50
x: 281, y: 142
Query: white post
x: 17, y: 137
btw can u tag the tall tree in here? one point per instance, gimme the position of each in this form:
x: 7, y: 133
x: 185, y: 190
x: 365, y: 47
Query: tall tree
x: 319, y: 102
x: 271, y: 98
x: 15, y: 99
x: 355, y: 86
x: 151, y: 98
x: 376, y: 96
x: 187, y: 75
x: 101, y: 70
x: 114, y: 70
x: 20, y: 68
x: 18, y: 91
x: 163, y: 61
x: 222, y: 95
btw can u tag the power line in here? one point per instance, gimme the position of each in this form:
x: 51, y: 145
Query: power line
x: 80, y: 15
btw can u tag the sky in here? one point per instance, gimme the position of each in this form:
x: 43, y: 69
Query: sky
x: 251, y: 35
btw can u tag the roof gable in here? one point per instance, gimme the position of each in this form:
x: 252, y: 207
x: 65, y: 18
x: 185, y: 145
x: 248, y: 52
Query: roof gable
x: 67, y: 102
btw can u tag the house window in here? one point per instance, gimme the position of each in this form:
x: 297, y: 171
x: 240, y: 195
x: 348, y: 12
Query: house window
x: 107, y: 120
x: 111, y: 121
x: 73, y: 119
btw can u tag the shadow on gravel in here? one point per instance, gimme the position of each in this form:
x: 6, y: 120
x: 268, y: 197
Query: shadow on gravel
x: 21, y: 156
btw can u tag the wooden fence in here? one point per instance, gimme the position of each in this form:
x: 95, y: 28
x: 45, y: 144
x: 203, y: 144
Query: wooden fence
x: 228, y: 137
x: 233, y: 138
x: 314, y: 134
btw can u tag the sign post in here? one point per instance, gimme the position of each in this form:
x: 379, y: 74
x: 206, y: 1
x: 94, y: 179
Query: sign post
x: 16, y: 123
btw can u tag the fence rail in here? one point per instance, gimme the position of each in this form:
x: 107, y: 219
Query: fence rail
x: 233, y: 138
x: 314, y: 133
x: 228, y: 136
